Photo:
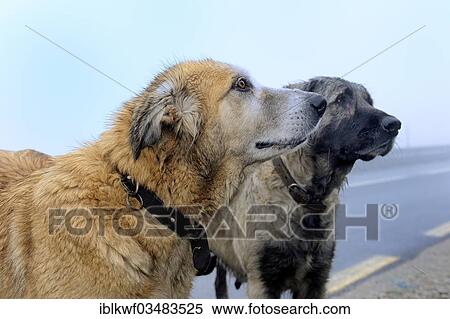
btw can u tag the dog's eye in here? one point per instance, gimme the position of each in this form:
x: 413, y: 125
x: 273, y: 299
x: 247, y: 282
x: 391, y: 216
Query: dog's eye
x: 242, y: 84
x: 340, y: 99
x: 345, y: 97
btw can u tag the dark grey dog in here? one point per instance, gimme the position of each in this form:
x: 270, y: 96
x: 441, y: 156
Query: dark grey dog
x: 312, y: 177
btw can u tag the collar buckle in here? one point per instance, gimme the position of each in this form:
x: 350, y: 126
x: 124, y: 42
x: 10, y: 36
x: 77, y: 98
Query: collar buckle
x: 297, y: 192
x: 294, y: 187
x: 127, y: 182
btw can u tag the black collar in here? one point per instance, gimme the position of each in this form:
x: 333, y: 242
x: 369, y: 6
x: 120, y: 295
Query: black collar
x: 204, y: 261
x: 299, y: 194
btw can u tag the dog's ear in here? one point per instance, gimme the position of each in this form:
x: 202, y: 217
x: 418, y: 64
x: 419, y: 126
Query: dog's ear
x: 308, y: 86
x: 168, y: 108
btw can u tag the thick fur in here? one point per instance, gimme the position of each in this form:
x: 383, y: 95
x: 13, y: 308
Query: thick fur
x: 175, y: 139
x: 350, y: 129
x: 17, y: 165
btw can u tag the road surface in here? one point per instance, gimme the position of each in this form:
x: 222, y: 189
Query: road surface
x: 417, y: 181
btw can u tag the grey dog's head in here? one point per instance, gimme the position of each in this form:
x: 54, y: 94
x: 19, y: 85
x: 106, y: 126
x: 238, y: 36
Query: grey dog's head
x: 351, y: 128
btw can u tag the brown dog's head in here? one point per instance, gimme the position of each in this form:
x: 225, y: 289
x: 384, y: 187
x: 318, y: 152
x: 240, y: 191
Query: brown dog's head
x: 351, y: 128
x: 218, y: 110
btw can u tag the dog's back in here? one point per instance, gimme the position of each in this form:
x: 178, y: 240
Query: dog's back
x: 16, y: 165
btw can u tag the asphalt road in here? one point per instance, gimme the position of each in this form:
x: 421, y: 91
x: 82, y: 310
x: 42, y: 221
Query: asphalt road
x: 417, y: 181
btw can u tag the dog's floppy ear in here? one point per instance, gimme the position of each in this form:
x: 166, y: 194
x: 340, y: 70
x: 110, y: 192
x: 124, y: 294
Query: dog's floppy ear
x: 308, y: 86
x: 168, y: 107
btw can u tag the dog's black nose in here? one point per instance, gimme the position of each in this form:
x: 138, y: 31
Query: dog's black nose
x: 391, y: 124
x: 319, y: 103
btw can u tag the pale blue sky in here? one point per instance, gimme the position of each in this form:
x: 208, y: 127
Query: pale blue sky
x: 51, y: 102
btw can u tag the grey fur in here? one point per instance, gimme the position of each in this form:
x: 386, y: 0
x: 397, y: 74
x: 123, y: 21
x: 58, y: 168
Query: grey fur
x: 145, y: 128
x: 349, y: 130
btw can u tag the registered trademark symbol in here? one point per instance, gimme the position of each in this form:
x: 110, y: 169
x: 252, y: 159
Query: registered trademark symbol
x: 389, y: 211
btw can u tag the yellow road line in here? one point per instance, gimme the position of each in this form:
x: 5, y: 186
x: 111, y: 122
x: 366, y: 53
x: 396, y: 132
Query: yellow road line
x: 440, y: 231
x: 359, y: 271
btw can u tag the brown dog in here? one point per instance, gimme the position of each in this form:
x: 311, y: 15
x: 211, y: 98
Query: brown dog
x: 188, y: 138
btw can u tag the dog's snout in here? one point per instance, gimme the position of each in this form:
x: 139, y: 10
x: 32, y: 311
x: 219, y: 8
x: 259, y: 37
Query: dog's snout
x: 391, y: 124
x: 319, y: 103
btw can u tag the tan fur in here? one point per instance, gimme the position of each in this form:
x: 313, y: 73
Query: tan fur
x: 16, y: 165
x: 35, y: 264
x: 193, y: 163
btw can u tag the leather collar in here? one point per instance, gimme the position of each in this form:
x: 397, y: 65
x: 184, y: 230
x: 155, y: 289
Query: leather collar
x: 299, y: 194
x: 204, y: 261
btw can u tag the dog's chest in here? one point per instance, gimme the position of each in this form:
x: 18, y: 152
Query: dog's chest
x: 181, y: 274
x: 283, y: 264
x: 174, y: 272
x: 160, y: 268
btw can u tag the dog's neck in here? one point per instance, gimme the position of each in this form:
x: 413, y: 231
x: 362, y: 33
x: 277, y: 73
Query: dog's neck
x: 177, y: 178
x: 319, y: 174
